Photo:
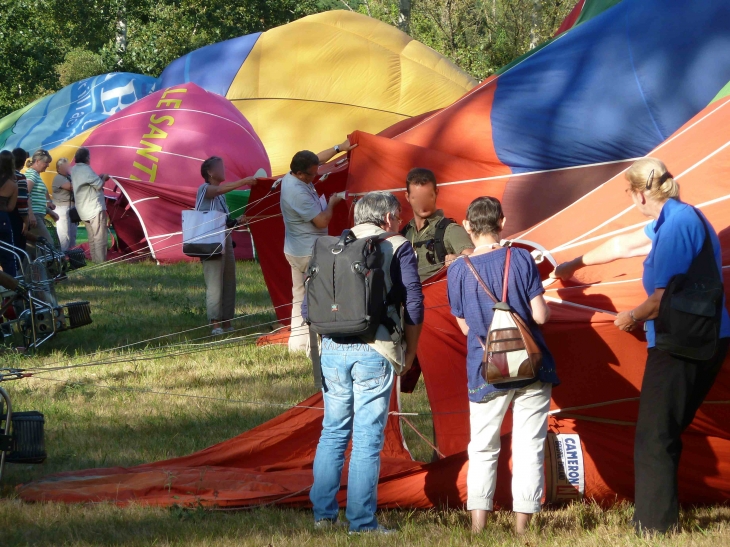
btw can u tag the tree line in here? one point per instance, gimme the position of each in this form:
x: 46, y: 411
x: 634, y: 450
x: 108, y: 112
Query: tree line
x: 48, y: 44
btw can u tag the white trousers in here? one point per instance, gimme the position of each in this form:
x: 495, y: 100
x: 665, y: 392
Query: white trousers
x: 530, y: 407
x: 65, y: 228
x: 299, y: 337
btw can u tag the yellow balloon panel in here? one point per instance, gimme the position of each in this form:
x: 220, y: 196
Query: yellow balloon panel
x: 65, y: 150
x: 307, y: 84
x: 302, y: 125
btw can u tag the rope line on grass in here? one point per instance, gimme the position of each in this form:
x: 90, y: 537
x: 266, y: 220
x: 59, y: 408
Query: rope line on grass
x: 178, y: 333
x: 206, y: 325
x: 190, y: 395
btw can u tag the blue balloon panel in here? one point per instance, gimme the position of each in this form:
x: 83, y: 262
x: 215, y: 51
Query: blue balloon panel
x: 211, y: 67
x: 76, y: 108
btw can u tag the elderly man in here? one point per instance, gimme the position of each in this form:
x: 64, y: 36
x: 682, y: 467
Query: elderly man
x: 306, y: 217
x: 358, y: 376
x: 88, y: 191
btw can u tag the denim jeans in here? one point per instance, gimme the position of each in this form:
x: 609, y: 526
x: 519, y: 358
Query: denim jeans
x: 357, y: 382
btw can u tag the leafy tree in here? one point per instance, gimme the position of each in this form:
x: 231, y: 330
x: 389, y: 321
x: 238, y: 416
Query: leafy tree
x: 28, y: 53
x: 79, y: 64
x: 169, y: 29
x: 480, y: 36
x: 45, y: 44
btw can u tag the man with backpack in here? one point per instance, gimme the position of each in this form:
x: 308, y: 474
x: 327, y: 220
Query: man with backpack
x: 438, y: 240
x: 364, y: 298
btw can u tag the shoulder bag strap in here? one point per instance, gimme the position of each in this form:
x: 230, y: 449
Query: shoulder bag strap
x: 707, y: 253
x: 479, y: 279
x: 506, y: 275
x: 200, y: 197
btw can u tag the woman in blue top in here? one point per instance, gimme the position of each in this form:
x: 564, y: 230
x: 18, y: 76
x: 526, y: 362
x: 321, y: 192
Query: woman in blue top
x: 488, y: 403
x: 673, y: 388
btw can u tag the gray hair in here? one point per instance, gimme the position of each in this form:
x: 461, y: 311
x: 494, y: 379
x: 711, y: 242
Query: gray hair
x: 373, y: 207
x: 60, y: 162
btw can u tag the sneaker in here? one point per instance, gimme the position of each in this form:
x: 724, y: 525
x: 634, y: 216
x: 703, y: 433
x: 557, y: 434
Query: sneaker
x: 217, y: 331
x: 381, y: 530
x: 325, y: 524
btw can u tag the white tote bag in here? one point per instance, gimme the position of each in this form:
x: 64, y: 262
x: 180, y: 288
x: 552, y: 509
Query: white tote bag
x: 204, y: 232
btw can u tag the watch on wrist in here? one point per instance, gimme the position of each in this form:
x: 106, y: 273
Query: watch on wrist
x: 337, y: 148
x: 631, y: 314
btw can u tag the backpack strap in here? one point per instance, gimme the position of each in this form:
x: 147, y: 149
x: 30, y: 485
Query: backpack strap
x: 479, y: 279
x: 439, y: 245
x: 506, y: 274
x: 346, y: 237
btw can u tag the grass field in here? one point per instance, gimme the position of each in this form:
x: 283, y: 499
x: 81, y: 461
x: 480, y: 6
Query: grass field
x: 108, y: 415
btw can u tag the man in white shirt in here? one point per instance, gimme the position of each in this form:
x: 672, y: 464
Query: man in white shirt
x: 88, y: 189
x: 306, y: 217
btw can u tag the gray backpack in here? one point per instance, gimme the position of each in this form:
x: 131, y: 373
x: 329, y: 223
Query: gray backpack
x: 345, y: 291
x: 345, y: 286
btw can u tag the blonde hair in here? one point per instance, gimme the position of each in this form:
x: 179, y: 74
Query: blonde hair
x: 60, y: 162
x: 651, y: 176
x: 39, y: 154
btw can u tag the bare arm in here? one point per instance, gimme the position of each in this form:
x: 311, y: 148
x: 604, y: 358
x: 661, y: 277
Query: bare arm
x: 223, y: 188
x: 622, y: 246
x: 540, y: 310
x: 323, y: 219
x: 326, y: 155
x: 412, y: 334
x: 13, y: 197
x: 462, y: 325
x: 648, y: 309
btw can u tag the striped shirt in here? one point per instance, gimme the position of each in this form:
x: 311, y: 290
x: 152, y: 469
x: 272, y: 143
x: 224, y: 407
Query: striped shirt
x: 22, y: 203
x: 38, y: 194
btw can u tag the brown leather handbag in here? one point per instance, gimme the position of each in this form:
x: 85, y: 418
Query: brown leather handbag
x: 510, y: 351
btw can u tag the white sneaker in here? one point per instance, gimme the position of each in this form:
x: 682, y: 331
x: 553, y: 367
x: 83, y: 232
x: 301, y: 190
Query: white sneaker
x: 217, y: 331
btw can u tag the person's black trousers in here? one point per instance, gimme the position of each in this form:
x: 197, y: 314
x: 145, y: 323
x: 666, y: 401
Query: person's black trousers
x: 671, y: 392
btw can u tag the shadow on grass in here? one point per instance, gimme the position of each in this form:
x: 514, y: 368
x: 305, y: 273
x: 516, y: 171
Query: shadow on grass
x: 109, y: 525
x: 134, y: 302
x: 152, y: 437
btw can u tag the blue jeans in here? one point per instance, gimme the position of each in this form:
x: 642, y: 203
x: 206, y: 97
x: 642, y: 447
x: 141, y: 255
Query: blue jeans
x: 357, y: 383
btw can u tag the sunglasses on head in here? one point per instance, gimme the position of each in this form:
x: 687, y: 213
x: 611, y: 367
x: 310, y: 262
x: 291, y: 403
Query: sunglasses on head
x: 650, y: 179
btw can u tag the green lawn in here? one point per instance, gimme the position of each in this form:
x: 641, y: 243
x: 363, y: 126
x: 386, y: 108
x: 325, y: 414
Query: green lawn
x: 105, y: 416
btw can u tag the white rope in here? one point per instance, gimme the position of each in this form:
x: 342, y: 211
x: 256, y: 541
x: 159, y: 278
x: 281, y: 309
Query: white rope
x: 662, y: 145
